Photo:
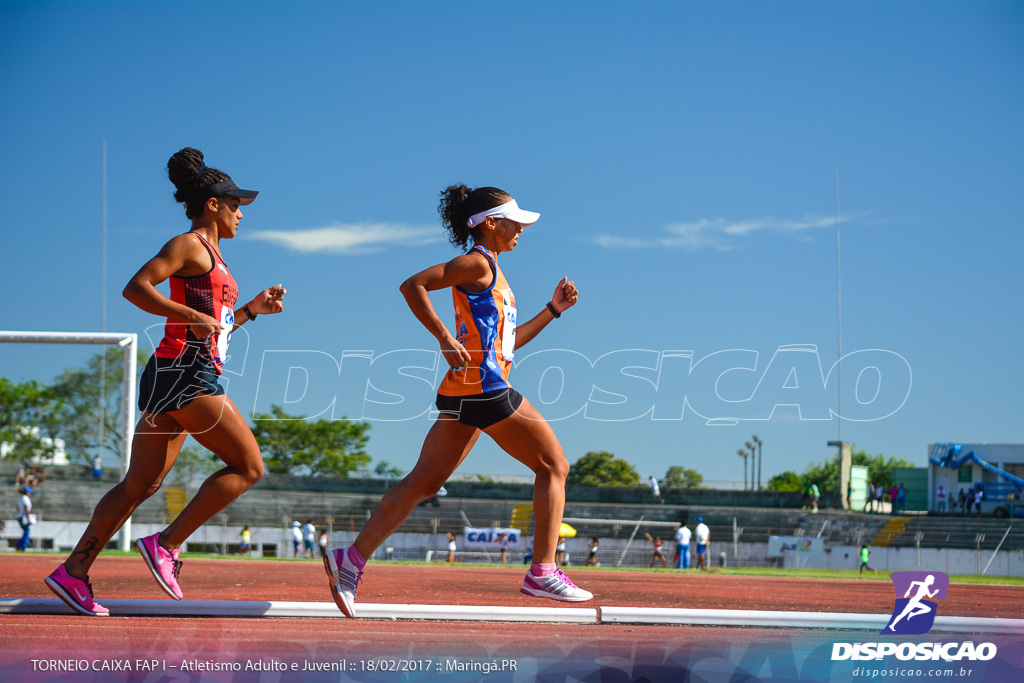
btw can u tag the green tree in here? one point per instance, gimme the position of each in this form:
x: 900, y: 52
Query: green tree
x: 193, y: 461
x: 678, y: 477
x: 601, y: 468
x: 387, y: 470
x: 89, y: 401
x: 786, y: 481
x: 28, y: 415
x: 292, y: 444
x: 880, y: 470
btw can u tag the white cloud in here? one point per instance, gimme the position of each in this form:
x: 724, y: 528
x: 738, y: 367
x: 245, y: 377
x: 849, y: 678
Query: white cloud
x: 719, y: 234
x: 359, y: 238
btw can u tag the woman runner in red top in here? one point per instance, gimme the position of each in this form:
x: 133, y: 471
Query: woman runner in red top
x: 475, y: 395
x: 180, y: 392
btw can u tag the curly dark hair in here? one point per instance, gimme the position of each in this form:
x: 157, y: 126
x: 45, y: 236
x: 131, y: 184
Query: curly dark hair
x: 459, y: 202
x: 192, y: 179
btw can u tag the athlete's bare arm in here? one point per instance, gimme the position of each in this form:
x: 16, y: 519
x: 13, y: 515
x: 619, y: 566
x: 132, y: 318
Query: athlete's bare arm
x: 184, y: 256
x: 471, y: 272
x: 565, y: 297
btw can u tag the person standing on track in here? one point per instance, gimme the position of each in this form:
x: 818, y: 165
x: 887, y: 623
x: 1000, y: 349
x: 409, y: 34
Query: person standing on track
x: 475, y: 396
x: 180, y: 392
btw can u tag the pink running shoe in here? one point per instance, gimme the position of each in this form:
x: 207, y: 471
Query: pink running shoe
x: 164, y: 565
x: 344, y: 577
x: 75, y: 592
x: 556, y: 586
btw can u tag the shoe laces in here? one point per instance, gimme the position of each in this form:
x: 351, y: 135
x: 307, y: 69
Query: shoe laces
x: 88, y: 587
x: 560, y: 575
x: 177, y: 568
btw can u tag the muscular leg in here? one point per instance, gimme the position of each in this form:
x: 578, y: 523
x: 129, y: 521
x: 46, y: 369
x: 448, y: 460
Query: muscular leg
x: 158, y: 440
x: 527, y: 437
x: 447, y: 444
x: 214, y: 421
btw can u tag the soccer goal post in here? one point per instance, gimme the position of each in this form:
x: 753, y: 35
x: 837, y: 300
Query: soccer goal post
x: 129, y: 341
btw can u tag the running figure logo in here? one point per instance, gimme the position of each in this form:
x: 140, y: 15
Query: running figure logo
x: 920, y: 590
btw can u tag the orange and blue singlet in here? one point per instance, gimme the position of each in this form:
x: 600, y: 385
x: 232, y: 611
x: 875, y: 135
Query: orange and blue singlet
x: 485, y: 325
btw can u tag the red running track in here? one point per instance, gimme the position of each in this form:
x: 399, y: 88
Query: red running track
x: 247, y: 580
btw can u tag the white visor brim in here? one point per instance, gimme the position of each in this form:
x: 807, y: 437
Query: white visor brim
x: 509, y: 210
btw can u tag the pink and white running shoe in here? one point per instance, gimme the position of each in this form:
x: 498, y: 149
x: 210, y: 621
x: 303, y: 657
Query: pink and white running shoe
x: 556, y: 586
x: 344, y: 579
x: 164, y: 565
x: 75, y: 592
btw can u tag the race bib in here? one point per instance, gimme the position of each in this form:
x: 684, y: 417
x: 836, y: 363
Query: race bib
x: 227, y: 324
x: 508, y: 333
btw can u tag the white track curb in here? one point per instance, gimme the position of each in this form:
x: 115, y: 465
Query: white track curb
x: 577, y: 615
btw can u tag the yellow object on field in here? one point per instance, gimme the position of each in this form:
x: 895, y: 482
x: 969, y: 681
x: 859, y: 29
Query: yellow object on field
x: 566, y: 531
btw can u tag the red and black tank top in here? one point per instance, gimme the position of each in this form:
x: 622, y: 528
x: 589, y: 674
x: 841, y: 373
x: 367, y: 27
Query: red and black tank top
x: 213, y: 293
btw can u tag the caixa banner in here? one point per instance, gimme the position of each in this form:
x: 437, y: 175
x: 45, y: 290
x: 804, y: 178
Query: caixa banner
x: 780, y: 546
x: 491, y: 536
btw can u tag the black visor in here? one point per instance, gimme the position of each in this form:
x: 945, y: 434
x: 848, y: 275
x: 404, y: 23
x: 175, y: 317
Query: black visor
x: 227, y: 188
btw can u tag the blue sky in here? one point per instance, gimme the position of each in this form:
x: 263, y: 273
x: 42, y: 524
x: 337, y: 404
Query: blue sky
x: 683, y: 157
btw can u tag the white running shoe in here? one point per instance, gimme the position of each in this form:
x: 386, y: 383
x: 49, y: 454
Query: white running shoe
x: 556, y: 586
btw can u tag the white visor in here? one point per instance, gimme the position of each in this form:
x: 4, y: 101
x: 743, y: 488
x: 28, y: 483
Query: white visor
x: 509, y: 210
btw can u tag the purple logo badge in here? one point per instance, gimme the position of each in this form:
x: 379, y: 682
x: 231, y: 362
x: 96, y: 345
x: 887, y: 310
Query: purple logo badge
x: 916, y: 593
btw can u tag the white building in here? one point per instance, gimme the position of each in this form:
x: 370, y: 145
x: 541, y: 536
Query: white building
x: 1002, y: 458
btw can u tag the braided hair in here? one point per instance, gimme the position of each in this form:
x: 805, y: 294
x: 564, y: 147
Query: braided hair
x: 192, y: 180
x: 459, y: 202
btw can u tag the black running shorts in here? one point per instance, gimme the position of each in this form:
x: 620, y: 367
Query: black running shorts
x: 481, y: 410
x: 172, y: 383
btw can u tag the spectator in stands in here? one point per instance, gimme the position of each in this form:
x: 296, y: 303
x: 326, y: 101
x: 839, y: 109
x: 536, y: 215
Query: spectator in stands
x: 451, y: 547
x: 309, y: 540
x: 323, y: 543
x: 968, y: 502
x: 592, y: 557
x: 849, y: 495
x: 97, y: 469
x: 659, y: 555
x: 979, y: 496
x: 703, y: 541
x: 940, y: 499
x: 528, y: 555
x: 683, y: 535
x: 893, y: 503
x: 961, y: 498
x: 296, y: 537
x: 25, y: 517
x: 901, y: 498
x: 868, y: 506
x: 19, y: 478
x: 879, y: 493
x: 655, y: 491
x: 815, y: 495
x: 807, y: 494
x: 40, y: 477
x: 30, y: 477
